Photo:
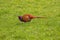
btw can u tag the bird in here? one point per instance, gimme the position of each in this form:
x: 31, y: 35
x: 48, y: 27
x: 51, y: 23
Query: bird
x: 28, y: 17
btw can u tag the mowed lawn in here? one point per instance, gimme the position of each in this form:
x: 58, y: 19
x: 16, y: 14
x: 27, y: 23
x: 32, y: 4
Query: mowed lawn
x: 38, y: 29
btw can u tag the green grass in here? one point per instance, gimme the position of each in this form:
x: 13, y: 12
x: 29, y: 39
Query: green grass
x: 38, y: 29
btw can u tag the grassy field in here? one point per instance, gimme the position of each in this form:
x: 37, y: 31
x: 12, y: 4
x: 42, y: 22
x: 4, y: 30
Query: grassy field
x: 38, y: 29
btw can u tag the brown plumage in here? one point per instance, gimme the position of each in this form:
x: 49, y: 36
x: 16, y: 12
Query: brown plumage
x: 27, y: 17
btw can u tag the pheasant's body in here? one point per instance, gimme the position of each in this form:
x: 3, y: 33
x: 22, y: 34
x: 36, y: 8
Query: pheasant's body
x: 27, y: 17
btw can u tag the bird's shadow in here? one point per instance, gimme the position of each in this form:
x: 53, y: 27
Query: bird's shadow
x: 20, y: 23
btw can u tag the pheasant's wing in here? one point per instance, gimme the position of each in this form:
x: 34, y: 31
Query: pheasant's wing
x: 26, y: 18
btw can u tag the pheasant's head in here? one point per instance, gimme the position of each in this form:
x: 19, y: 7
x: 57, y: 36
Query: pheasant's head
x: 20, y: 18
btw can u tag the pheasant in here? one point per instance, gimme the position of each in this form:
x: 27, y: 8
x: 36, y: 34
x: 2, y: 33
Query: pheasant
x: 27, y: 17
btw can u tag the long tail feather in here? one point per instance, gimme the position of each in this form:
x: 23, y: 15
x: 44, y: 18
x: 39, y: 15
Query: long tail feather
x: 39, y: 17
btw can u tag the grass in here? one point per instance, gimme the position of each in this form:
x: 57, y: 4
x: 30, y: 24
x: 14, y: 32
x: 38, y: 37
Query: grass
x: 38, y: 29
